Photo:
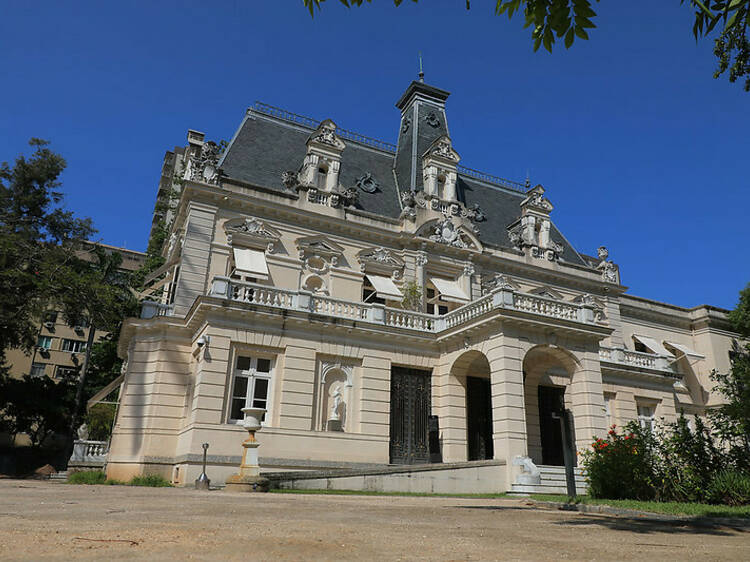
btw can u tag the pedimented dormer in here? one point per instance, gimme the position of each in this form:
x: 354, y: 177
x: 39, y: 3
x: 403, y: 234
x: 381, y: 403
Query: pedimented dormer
x: 322, y: 163
x: 439, y: 169
x: 532, y: 231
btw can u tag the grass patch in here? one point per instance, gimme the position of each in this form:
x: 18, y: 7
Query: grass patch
x: 370, y: 493
x: 668, y: 508
x: 98, y: 477
x: 150, y: 480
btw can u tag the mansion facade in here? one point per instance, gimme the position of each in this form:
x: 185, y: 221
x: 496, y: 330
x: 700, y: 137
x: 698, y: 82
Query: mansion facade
x: 361, y: 292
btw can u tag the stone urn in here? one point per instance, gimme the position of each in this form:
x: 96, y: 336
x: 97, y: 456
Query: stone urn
x: 248, y: 479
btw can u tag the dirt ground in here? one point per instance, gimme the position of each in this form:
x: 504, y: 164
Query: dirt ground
x: 50, y: 520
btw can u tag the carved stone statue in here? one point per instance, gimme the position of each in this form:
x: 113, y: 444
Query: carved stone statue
x: 336, y: 404
x: 83, y: 432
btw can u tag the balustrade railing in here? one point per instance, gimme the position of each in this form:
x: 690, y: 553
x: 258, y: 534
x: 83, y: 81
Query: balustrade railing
x: 151, y: 309
x: 254, y: 293
x: 545, y: 306
x: 468, y: 312
x: 340, y: 308
x: 640, y: 359
x: 410, y: 320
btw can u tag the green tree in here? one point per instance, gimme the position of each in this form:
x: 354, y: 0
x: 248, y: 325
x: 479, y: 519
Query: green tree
x: 42, y: 268
x: 731, y: 420
x: 550, y: 20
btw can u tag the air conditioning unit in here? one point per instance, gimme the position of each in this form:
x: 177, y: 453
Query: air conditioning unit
x: 78, y: 328
x: 49, y: 325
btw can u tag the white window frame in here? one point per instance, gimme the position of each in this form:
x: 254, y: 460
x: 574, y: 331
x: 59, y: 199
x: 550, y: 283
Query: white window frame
x: 47, y: 339
x: 609, y: 399
x: 646, y: 421
x: 79, y: 346
x: 252, y: 375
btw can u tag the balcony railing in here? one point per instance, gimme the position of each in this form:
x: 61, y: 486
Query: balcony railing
x: 638, y: 359
x: 151, y: 309
x: 273, y: 297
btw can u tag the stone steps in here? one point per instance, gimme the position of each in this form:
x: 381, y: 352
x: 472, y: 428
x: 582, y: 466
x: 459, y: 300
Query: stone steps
x: 553, y: 481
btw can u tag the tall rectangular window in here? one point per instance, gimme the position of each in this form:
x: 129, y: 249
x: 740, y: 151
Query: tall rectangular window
x: 609, y: 400
x: 251, y: 385
x: 37, y: 369
x: 73, y: 346
x: 646, y: 416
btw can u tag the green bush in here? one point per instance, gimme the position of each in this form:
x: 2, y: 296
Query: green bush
x: 151, y: 480
x: 88, y: 477
x: 730, y: 487
x: 620, y: 466
x: 669, y: 463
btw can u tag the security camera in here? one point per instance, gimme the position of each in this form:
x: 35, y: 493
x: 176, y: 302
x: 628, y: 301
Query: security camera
x: 203, y: 340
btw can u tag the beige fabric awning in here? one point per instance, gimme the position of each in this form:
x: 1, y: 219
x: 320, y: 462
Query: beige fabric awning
x: 385, y: 288
x: 684, y: 349
x: 251, y: 263
x: 449, y: 290
x: 653, y: 345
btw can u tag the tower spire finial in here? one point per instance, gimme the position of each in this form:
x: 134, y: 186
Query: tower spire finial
x: 421, y: 72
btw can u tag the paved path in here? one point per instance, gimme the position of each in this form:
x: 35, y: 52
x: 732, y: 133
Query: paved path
x: 46, y: 520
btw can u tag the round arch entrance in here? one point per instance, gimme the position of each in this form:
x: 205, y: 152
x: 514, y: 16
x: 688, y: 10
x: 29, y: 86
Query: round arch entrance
x: 547, y: 374
x: 472, y: 369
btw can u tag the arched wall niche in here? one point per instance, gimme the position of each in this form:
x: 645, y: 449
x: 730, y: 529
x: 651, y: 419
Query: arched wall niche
x: 336, y: 397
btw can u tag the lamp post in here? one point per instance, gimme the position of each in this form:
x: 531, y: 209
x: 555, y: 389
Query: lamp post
x: 248, y: 479
x: 202, y: 482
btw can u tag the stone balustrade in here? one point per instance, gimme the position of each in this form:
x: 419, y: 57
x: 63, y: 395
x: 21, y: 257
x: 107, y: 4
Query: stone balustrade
x: 151, y: 309
x: 502, y: 298
x: 86, y: 451
x: 622, y: 356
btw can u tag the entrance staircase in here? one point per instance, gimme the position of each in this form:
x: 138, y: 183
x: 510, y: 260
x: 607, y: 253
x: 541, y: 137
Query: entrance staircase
x: 544, y: 479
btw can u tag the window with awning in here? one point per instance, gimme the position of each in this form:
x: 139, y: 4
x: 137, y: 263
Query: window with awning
x: 250, y: 263
x: 652, y: 345
x: 384, y: 287
x: 449, y: 291
x: 684, y: 350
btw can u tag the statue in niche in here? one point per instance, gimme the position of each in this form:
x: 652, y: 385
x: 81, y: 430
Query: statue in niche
x: 336, y: 404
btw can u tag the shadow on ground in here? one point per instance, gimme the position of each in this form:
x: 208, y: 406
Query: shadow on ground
x: 697, y: 526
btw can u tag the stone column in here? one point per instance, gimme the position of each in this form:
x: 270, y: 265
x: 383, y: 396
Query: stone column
x: 450, y: 187
x: 430, y: 180
x: 332, y: 178
x: 508, y: 413
x: 587, y: 398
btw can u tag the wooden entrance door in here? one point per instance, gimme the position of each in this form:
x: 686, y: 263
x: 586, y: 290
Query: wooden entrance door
x: 551, y: 400
x: 479, y: 418
x: 410, y: 407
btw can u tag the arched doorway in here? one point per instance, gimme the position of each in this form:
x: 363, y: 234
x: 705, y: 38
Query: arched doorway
x: 547, y: 374
x: 473, y: 370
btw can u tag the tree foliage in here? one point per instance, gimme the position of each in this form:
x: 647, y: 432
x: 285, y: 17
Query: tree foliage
x: 550, y: 20
x: 44, y: 266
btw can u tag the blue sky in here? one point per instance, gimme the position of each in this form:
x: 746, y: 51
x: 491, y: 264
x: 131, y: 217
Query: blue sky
x: 639, y: 148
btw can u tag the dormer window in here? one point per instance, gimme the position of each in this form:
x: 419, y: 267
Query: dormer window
x: 322, y: 175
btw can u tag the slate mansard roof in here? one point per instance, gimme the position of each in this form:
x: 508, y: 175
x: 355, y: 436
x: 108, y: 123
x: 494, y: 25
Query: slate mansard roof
x: 271, y: 141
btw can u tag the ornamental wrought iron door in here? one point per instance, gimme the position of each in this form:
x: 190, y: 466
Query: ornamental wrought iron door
x: 551, y: 401
x: 479, y: 418
x: 410, y: 407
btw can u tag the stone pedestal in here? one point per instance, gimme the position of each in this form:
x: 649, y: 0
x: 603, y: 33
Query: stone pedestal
x: 249, y: 479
